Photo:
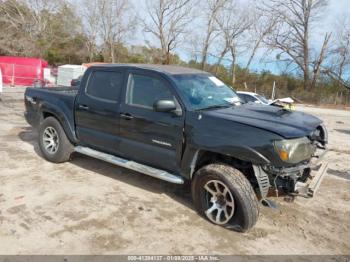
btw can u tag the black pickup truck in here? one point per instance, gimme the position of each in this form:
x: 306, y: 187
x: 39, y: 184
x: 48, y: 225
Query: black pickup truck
x: 184, y: 125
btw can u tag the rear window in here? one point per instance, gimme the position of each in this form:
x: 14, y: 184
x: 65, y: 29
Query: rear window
x: 105, y: 85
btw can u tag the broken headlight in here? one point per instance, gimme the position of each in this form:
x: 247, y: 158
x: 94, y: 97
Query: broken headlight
x: 294, y: 150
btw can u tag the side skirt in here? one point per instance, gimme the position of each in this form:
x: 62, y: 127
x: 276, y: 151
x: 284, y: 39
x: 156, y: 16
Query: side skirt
x: 147, y: 170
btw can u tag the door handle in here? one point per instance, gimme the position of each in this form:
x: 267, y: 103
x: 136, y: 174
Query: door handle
x: 126, y: 116
x: 83, y: 107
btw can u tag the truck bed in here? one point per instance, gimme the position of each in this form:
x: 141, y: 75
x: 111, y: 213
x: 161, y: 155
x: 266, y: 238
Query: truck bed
x: 56, y: 100
x: 68, y: 90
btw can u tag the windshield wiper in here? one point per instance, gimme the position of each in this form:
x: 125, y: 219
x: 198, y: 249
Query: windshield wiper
x: 215, y: 107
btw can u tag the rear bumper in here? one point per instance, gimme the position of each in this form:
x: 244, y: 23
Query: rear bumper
x: 32, y: 118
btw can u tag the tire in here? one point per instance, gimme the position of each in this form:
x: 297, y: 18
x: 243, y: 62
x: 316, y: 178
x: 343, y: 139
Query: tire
x: 230, y: 191
x: 51, y: 132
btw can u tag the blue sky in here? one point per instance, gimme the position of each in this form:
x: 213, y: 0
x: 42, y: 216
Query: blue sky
x: 335, y: 9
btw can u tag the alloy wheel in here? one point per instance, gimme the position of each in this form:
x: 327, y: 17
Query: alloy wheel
x: 50, y: 140
x: 220, y: 202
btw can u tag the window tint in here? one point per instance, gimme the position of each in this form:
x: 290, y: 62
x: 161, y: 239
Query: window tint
x: 248, y: 98
x: 145, y: 90
x: 105, y: 85
x: 242, y: 97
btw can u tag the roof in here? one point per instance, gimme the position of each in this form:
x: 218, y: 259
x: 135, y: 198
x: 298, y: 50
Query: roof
x: 167, y: 69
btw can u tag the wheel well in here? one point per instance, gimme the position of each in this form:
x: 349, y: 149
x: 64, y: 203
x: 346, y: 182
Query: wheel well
x: 206, y: 158
x: 47, y: 114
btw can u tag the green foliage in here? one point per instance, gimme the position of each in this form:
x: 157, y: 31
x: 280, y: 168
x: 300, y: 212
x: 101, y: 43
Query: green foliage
x: 53, y: 35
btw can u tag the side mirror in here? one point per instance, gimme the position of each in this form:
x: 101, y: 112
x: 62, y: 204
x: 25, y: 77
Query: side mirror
x: 164, y: 106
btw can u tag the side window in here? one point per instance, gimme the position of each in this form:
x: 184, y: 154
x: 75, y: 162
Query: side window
x: 250, y: 98
x: 105, y: 85
x: 146, y: 90
x: 242, y: 97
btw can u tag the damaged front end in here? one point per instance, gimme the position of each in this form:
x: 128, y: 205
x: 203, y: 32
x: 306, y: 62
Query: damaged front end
x: 301, y: 178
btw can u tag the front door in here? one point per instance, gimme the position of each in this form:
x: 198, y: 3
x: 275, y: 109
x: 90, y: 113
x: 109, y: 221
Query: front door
x: 147, y: 136
x: 97, y: 109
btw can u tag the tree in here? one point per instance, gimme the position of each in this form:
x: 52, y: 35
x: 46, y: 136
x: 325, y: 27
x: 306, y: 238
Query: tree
x: 291, y: 35
x: 261, y: 28
x: 168, y: 22
x: 232, y: 28
x: 117, y: 23
x: 338, y: 67
x: 17, y: 24
x: 91, y: 24
x: 47, y: 29
x: 212, y: 11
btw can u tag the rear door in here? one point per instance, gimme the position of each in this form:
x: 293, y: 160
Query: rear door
x: 97, y: 109
x: 150, y: 137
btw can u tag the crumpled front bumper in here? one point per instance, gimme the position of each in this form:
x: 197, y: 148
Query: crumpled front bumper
x: 302, y: 180
x: 318, y: 172
x: 309, y: 188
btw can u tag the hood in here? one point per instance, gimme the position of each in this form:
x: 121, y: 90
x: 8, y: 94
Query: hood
x: 288, y: 124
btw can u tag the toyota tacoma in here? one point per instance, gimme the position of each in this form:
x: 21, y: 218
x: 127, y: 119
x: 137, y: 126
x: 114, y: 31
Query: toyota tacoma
x: 184, y: 125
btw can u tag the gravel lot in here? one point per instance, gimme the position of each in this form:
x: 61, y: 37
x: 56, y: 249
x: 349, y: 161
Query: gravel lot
x: 87, y: 206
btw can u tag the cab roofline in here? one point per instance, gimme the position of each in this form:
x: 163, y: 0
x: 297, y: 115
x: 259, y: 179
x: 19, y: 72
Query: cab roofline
x: 166, y: 69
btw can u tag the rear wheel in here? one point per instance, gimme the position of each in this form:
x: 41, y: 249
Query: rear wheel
x: 224, y: 196
x: 53, y: 142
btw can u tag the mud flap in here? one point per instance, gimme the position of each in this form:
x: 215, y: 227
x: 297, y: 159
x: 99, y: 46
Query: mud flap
x: 263, y: 181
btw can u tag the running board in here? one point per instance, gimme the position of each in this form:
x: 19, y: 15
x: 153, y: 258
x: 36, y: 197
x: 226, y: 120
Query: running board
x: 157, y: 173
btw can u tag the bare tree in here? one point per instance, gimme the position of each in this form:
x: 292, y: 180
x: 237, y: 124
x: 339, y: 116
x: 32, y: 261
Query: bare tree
x: 117, y: 23
x: 292, y: 35
x: 24, y: 23
x: 212, y: 11
x: 168, y: 22
x: 261, y: 28
x: 338, y: 66
x: 14, y: 17
x: 91, y: 24
x: 232, y: 28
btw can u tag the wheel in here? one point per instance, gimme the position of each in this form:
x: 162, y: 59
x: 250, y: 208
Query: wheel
x: 53, y: 142
x: 224, y: 196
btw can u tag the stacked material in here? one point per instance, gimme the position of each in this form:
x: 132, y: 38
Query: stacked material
x: 67, y: 73
x: 0, y: 81
x: 21, y: 71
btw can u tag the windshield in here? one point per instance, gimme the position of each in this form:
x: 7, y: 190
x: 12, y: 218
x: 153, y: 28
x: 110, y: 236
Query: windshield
x: 262, y: 99
x: 205, y: 91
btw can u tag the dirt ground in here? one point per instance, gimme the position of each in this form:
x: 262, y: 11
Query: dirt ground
x: 87, y: 206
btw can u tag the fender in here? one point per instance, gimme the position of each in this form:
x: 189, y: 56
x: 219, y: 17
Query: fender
x: 60, y: 112
x: 192, y: 155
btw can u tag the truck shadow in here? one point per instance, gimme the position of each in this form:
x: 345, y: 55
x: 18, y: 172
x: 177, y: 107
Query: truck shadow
x: 179, y: 193
x: 30, y: 136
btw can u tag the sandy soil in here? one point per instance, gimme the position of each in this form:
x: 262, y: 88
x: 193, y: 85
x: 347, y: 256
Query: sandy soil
x: 90, y: 207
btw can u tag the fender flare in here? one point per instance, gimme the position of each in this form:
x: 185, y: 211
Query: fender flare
x: 62, y: 119
x: 257, y: 158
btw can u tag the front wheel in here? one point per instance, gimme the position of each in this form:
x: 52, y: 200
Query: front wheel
x: 224, y: 196
x: 53, y: 142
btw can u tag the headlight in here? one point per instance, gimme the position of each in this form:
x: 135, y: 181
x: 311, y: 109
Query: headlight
x: 294, y: 150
